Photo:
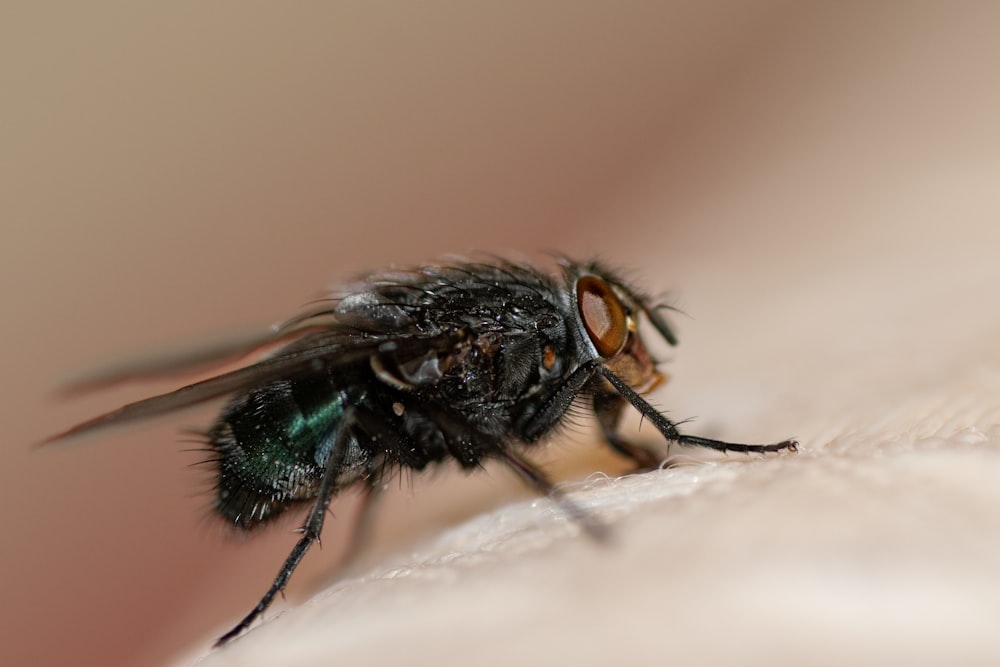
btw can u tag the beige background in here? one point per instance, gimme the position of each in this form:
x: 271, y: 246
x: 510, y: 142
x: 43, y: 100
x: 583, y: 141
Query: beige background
x: 817, y: 186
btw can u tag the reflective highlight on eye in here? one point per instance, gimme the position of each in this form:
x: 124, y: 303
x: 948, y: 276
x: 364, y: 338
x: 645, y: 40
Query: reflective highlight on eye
x: 603, y: 315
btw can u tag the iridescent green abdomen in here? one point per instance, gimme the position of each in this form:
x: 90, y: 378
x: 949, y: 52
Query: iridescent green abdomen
x: 273, y: 443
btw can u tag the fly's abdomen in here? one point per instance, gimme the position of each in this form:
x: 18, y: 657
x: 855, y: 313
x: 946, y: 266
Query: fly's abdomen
x: 272, y: 447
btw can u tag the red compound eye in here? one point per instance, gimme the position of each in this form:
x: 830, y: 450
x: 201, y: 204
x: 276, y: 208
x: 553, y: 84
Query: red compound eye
x: 603, y: 315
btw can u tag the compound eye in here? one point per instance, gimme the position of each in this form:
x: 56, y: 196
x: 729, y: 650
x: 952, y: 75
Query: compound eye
x: 603, y: 315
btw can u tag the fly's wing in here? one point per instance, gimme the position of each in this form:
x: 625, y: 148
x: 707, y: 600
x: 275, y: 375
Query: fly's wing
x: 200, y: 357
x: 337, y: 346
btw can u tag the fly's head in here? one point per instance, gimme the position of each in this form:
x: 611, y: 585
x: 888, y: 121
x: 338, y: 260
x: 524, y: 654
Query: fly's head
x: 608, y: 313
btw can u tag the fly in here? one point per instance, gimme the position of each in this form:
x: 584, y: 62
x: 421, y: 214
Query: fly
x: 469, y: 361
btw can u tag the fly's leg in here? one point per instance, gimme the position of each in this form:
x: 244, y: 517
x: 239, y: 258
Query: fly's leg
x: 355, y: 423
x: 363, y: 529
x: 608, y: 408
x: 669, y: 430
x: 537, y: 480
x: 557, y: 404
x: 374, y: 426
x: 310, y: 530
x: 532, y: 430
x: 578, y: 380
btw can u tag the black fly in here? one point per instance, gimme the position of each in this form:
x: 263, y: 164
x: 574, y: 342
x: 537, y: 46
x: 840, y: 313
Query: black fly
x: 460, y: 362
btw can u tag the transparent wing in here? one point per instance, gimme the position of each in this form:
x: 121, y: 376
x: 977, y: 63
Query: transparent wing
x: 199, y: 357
x: 317, y: 352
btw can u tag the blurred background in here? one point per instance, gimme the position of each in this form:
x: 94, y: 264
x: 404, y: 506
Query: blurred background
x: 815, y: 185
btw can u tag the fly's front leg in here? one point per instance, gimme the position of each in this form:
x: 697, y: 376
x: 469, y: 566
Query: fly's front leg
x: 669, y: 430
x: 558, y: 403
